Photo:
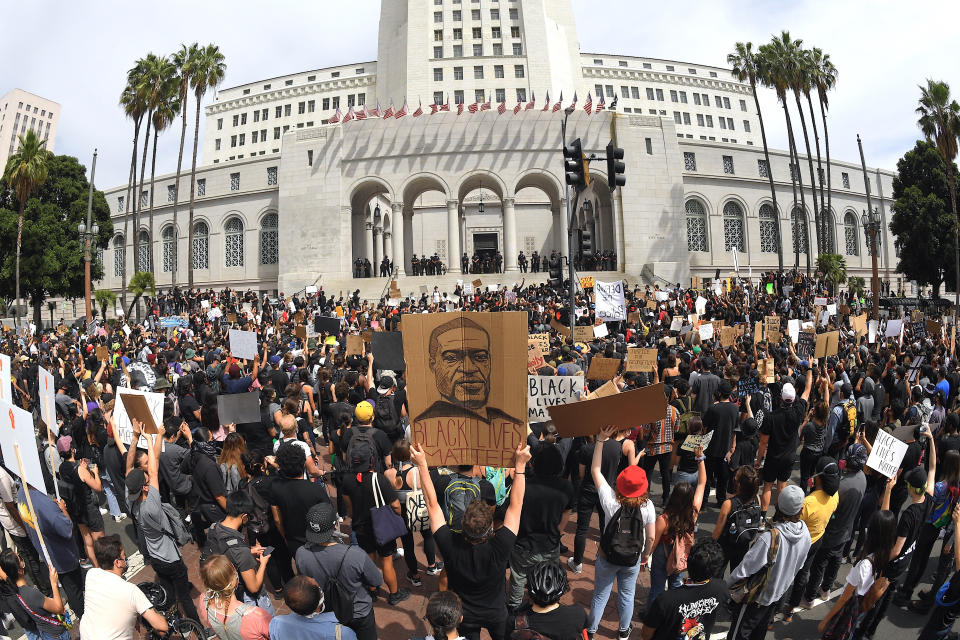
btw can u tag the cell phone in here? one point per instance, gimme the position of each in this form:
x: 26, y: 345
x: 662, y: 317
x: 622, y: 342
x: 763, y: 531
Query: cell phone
x: 266, y: 551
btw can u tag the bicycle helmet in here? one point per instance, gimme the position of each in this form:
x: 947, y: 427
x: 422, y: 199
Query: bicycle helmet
x: 156, y: 594
x: 546, y: 583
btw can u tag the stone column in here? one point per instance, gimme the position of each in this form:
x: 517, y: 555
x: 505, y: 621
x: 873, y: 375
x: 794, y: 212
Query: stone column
x: 564, y: 229
x: 375, y: 253
x: 368, y: 241
x: 453, y: 236
x: 396, y: 221
x: 600, y: 243
x: 509, y: 234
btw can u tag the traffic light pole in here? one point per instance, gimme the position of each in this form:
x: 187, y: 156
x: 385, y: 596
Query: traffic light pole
x: 572, y: 291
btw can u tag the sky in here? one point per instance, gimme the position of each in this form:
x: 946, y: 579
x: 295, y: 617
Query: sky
x: 77, y: 54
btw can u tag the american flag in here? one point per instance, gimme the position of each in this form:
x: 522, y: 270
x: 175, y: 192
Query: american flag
x: 402, y: 111
x: 601, y: 104
x: 335, y: 118
x: 502, y: 109
x: 546, y: 105
x: 557, y: 106
x: 361, y: 114
x: 517, y: 108
x: 486, y: 105
x: 446, y: 105
x: 419, y: 111
x: 533, y: 99
x: 459, y: 108
x: 574, y: 103
x: 349, y: 116
x: 375, y: 112
x: 473, y: 107
x: 389, y: 112
x: 588, y: 105
x: 433, y: 107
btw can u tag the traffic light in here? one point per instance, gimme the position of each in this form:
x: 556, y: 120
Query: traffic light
x: 575, y: 166
x: 556, y: 272
x: 615, y: 168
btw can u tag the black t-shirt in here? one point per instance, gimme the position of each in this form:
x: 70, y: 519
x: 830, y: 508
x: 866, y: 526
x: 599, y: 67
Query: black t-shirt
x: 207, y: 481
x: 609, y: 461
x: 783, y: 427
x: 476, y: 572
x: 721, y: 418
x: 908, y: 527
x: 189, y: 404
x: 361, y: 498
x: 384, y: 446
x: 566, y: 622
x: 544, y: 502
x: 910, y: 460
x: 294, y: 498
x: 686, y: 613
x: 257, y: 436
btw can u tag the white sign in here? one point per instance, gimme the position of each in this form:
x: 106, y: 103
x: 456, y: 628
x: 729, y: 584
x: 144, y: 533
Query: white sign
x: 600, y: 331
x: 692, y: 442
x: 832, y: 309
x: 6, y: 393
x: 872, y: 328
x: 887, y: 453
x: 310, y: 290
x: 16, y: 427
x: 213, y: 314
x: 550, y: 391
x: 610, y: 305
x: 676, y: 323
x: 736, y: 260
x: 819, y: 302
x: 706, y: 331
x: 793, y: 328
x: 243, y: 344
x: 204, y: 304
x: 468, y: 288
x: 701, y: 305
x: 662, y: 296
x: 894, y: 328
x: 121, y: 421
x: 48, y: 406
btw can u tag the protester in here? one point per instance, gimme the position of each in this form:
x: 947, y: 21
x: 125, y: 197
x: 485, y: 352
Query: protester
x: 546, y: 585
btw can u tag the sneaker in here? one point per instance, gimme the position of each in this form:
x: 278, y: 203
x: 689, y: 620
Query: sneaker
x: 103, y: 511
x: 120, y: 518
x: 396, y: 598
x: 806, y: 604
x: 434, y: 570
x: 415, y: 579
x: 787, y: 617
x: 86, y: 564
x: 920, y: 606
x: 623, y: 634
x: 575, y: 567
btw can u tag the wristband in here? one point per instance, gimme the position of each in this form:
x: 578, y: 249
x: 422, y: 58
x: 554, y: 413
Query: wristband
x: 519, y: 473
x: 701, y: 458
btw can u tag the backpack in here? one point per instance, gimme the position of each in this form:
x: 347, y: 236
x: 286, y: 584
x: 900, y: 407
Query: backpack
x: 460, y: 492
x: 523, y: 632
x: 744, y: 524
x: 623, y: 538
x: 337, y: 596
x: 258, y: 522
x: 385, y: 416
x: 363, y: 447
x: 418, y: 517
x: 749, y: 589
x: 685, y: 414
x: 176, y: 530
x: 850, y: 410
x: 231, y: 478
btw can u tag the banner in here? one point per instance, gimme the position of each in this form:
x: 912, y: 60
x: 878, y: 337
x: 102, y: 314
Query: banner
x: 550, y: 391
x: 610, y: 305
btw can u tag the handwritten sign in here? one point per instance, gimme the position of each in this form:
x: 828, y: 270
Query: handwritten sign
x: 887, y: 454
x: 860, y: 324
x: 582, y: 334
x: 894, y: 328
x: 243, y: 344
x: 354, y: 345
x: 542, y: 340
x: 16, y: 428
x: 706, y: 331
x: 771, y: 323
x: 728, y: 336
x: 560, y: 328
x: 534, y: 357
x: 766, y: 369
x: 603, y: 368
x: 692, y: 442
x: 676, y: 323
x: 586, y: 282
x: 806, y: 344
x: 121, y: 418
x: 610, y: 304
x: 601, y: 331
x: 48, y: 406
x: 550, y: 391
x: 641, y: 359
x: 827, y: 344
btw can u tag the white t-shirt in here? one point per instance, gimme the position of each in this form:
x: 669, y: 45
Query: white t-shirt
x: 111, y: 607
x: 861, y: 576
x: 300, y: 443
x: 8, y: 493
x: 609, y: 504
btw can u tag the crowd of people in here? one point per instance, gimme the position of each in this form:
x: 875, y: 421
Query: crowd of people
x: 325, y: 506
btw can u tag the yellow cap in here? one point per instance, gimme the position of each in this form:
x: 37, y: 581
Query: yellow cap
x: 364, y: 412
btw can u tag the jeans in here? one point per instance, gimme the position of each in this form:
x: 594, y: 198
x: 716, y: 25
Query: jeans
x: 823, y: 570
x: 410, y: 550
x: 659, y: 576
x: 684, y: 476
x: 65, y: 635
x: 604, y: 574
x: 808, y: 465
x: 522, y: 562
x: 35, y: 567
x: 588, y: 503
x: 113, y: 506
x: 750, y: 622
x: 173, y: 577
x: 649, y: 461
x: 261, y: 600
x: 470, y: 629
x: 72, y: 583
x: 792, y: 597
x: 918, y: 563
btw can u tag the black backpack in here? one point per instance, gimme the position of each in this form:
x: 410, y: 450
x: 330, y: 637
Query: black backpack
x: 337, y: 596
x: 385, y: 416
x: 258, y: 522
x: 744, y: 524
x: 363, y: 447
x: 623, y: 537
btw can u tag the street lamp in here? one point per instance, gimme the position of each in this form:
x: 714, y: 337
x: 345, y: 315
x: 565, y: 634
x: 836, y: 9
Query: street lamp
x: 871, y: 226
x: 87, y: 239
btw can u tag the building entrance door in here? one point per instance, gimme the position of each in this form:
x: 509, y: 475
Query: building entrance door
x: 485, y: 245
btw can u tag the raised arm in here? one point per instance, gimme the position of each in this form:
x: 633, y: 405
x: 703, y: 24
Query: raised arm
x: 511, y: 520
x: 132, y: 450
x: 419, y: 458
x: 595, y: 462
x: 701, y: 479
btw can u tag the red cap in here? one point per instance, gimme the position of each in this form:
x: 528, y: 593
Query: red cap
x: 632, y: 482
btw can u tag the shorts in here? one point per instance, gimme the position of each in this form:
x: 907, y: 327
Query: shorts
x: 368, y: 542
x: 91, y: 517
x: 777, y: 470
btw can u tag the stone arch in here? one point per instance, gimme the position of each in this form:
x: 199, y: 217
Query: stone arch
x: 697, y: 214
x: 702, y: 198
x: 543, y: 180
x: 734, y: 197
x: 482, y: 178
x: 421, y: 182
x: 366, y: 188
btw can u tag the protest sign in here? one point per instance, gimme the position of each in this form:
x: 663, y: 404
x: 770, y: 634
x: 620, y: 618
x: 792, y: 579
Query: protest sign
x: 819, y: 301
x: 806, y: 344
x: 46, y: 389
x: 354, y: 345
x: 894, y: 328
x: 691, y: 442
x: 560, y: 328
x: 771, y: 323
x: 633, y: 317
x: 167, y: 322
x: 641, y: 359
x: 582, y: 334
x: 860, y: 324
x: 887, y: 454
x: 728, y: 336
x: 610, y: 305
x: 651, y: 305
x: 102, y: 353
x: 243, y: 344
x: 466, y: 374
x: 767, y: 371
x: 586, y: 282
x: 793, y: 328
x: 550, y: 391
x: 701, y: 305
x: 933, y: 328
x: 542, y: 340
x: 534, y: 357
x: 477, y: 283
x: 624, y: 410
x: 6, y: 392
x: 832, y: 309
x: 706, y: 331
x: 387, y: 349
x: 676, y: 323
x: 872, y: 328
x: 238, y: 408
x: 310, y: 290
x: 17, y: 432
x: 323, y: 324
x: 827, y: 344
x: 121, y: 419
x: 137, y: 409
x: 603, y: 368
x: 601, y: 331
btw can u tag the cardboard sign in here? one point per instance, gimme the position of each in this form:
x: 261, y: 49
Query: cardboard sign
x: 887, y: 454
x: 624, y: 410
x: 586, y: 282
x: 601, y: 331
x: 827, y: 344
x: 48, y: 407
x: 806, y: 345
x: 692, y: 442
x: 16, y: 428
x: 466, y: 373
x: 477, y: 283
x: 641, y: 359
x: 387, y: 349
x: 610, y: 305
x: 728, y: 336
x: 582, y: 334
x: 6, y: 391
x: 122, y: 420
x: 542, y: 340
x: 560, y: 328
x: 860, y: 324
x: 771, y: 323
x: 603, y: 368
x: 354, y: 345
x: 550, y: 391
x: 137, y: 409
x: 238, y: 408
x: 534, y: 357
x: 232, y: 318
x: 773, y: 337
x: 934, y: 328
x: 767, y: 370
x: 243, y: 344
x: 633, y: 317
x: 298, y: 317
x: 651, y: 305
x: 706, y: 331
x: 323, y: 324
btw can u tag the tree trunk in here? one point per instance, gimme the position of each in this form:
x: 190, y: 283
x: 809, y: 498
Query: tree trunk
x: 153, y: 169
x: 131, y: 187
x: 176, y: 192
x: 133, y: 304
x: 813, y: 181
x: 793, y: 186
x: 137, y: 210
x: 803, y: 201
x: 826, y: 144
x: 193, y: 190
x: 956, y: 235
x: 16, y: 304
x: 38, y: 314
x: 816, y: 139
x: 773, y: 191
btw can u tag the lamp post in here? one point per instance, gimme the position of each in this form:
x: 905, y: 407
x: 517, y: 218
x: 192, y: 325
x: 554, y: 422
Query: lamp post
x: 871, y: 226
x: 87, y: 239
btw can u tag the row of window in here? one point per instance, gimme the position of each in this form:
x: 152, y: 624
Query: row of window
x: 43, y: 112
x: 201, y: 188
x: 457, y: 15
x: 476, y: 32
x: 286, y: 110
x: 333, y: 74
x: 233, y: 248
x: 690, y: 164
x: 647, y: 65
x: 699, y: 99
x: 477, y: 49
x: 518, y: 72
x: 734, y: 229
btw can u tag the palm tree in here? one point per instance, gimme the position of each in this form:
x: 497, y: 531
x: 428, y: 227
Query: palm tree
x: 834, y: 269
x: 185, y: 60
x: 824, y: 78
x: 142, y: 282
x: 134, y: 107
x: 940, y: 123
x: 26, y: 170
x: 208, y: 73
x: 149, y: 82
x: 164, y: 113
x: 857, y: 286
x: 105, y: 298
x: 810, y: 71
x: 745, y: 66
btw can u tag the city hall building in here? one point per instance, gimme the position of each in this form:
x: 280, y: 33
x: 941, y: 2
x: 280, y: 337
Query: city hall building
x: 450, y: 144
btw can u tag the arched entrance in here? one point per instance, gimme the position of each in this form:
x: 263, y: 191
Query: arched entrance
x: 489, y: 222
x: 429, y: 229
x: 370, y: 223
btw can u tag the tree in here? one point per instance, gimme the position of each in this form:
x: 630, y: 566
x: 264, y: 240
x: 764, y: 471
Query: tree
x: 834, y: 269
x: 134, y: 106
x: 745, y: 65
x: 856, y: 285
x: 207, y: 73
x: 185, y: 60
x: 149, y: 82
x: 940, y: 123
x: 141, y: 282
x: 51, y: 307
x: 163, y: 99
x: 106, y: 299
x: 27, y: 169
x: 52, y: 260
x: 922, y: 222
x: 824, y: 78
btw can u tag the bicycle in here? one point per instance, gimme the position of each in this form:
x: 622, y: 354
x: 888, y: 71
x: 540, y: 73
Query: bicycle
x: 178, y: 627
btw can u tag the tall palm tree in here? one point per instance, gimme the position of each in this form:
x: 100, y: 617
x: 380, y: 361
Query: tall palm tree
x: 164, y: 99
x: 208, y: 73
x: 745, y: 68
x: 810, y: 71
x: 185, y: 60
x: 940, y: 123
x: 149, y: 82
x: 134, y: 107
x: 25, y: 171
x: 824, y: 79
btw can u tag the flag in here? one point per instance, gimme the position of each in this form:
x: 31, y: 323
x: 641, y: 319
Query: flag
x: 533, y: 99
x: 517, y: 108
x: 574, y: 103
x: 349, y: 116
x: 613, y: 105
x: 502, y: 109
x: 473, y: 107
x: 419, y: 111
x: 601, y: 104
x: 402, y: 111
x: 375, y: 112
x: 361, y: 114
x: 389, y: 112
x: 588, y: 105
x: 546, y: 105
x: 459, y: 108
x: 486, y: 105
x: 335, y: 118
x: 433, y: 107
x: 445, y: 106
x: 557, y: 106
